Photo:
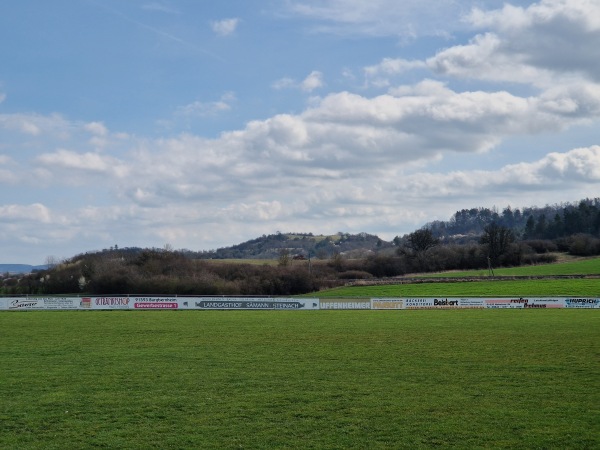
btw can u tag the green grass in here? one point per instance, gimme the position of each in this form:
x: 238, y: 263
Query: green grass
x: 578, y: 267
x: 576, y: 287
x: 300, y: 380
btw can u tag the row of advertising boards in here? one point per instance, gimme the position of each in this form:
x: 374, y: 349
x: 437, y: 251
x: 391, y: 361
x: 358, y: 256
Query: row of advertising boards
x: 269, y: 303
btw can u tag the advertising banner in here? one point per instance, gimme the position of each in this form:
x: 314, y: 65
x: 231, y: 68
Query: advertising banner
x: 494, y: 303
x: 253, y: 303
x: 104, y: 303
x: 345, y: 303
x: 154, y: 302
x: 27, y: 303
x: 432, y: 303
x: 387, y: 303
x: 287, y: 303
x: 544, y: 303
x: 582, y: 303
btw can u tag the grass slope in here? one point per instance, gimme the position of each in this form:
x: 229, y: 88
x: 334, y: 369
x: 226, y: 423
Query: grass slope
x: 589, y: 287
x: 578, y: 267
x: 328, y: 379
x: 578, y: 287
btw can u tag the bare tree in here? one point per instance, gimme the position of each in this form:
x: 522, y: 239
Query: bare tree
x: 497, y: 238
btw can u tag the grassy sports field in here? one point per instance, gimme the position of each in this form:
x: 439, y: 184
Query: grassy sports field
x: 290, y: 379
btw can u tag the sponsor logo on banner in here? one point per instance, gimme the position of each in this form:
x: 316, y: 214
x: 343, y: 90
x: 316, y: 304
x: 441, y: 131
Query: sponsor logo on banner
x: 582, y: 303
x: 472, y: 303
x: 25, y: 303
x: 545, y: 303
x: 524, y: 303
x: 152, y: 305
x: 48, y: 303
x: 505, y: 303
x: 345, y: 304
x: 257, y: 303
x: 109, y: 302
x: 431, y: 303
x: 413, y: 303
x: 60, y: 302
x: 387, y: 303
x: 155, y: 303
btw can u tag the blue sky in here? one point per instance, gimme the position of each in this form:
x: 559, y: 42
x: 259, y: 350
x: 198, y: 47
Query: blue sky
x: 204, y: 124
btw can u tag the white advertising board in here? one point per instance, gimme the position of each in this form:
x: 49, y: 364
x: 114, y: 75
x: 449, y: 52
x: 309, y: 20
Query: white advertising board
x: 253, y: 303
x: 33, y: 303
x: 387, y: 303
x: 287, y: 303
x: 582, y: 303
x: 344, y: 303
x: 107, y: 302
x: 432, y: 303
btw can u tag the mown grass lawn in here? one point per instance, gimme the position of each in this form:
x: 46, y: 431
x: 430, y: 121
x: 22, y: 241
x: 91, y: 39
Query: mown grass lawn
x: 300, y: 380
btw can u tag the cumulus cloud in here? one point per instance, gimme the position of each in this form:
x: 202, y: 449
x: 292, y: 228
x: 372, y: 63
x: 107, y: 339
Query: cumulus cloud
x: 541, y: 44
x: 554, y: 172
x: 313, y: 81
x: 205, y: 109
x: 225, y: 27
x: 96, y: 128
x: 547, y: 43
x: 82, y: 163
x: 379, y: 74
x: 35, y: 212
x: 33, y: 125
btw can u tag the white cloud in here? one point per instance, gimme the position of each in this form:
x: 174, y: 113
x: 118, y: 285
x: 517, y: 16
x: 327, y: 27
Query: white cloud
x: 206, y: 109
x: 36, y: 124
x: 314, y: 80
x: 408, y: 18
x: 35, y: 212
x: 378, y: 74
x: 547, y: 43
x: 225, y: 27
x: 85, y: 163
x: 541, y: 44
x: 96, y: 128
x: 553, y: 173
x: 284, y: 83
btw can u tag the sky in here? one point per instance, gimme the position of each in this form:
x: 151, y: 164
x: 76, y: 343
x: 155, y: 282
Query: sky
x: 201, y: 124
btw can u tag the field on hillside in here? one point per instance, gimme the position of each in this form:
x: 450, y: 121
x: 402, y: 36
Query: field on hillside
x: 323, y: 379
x: 589, y: 266
x: 577, y: 287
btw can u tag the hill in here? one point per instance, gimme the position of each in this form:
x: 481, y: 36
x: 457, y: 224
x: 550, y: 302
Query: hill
x: 20, y: 268
x: 300, y: 246
x: 548, y: 222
